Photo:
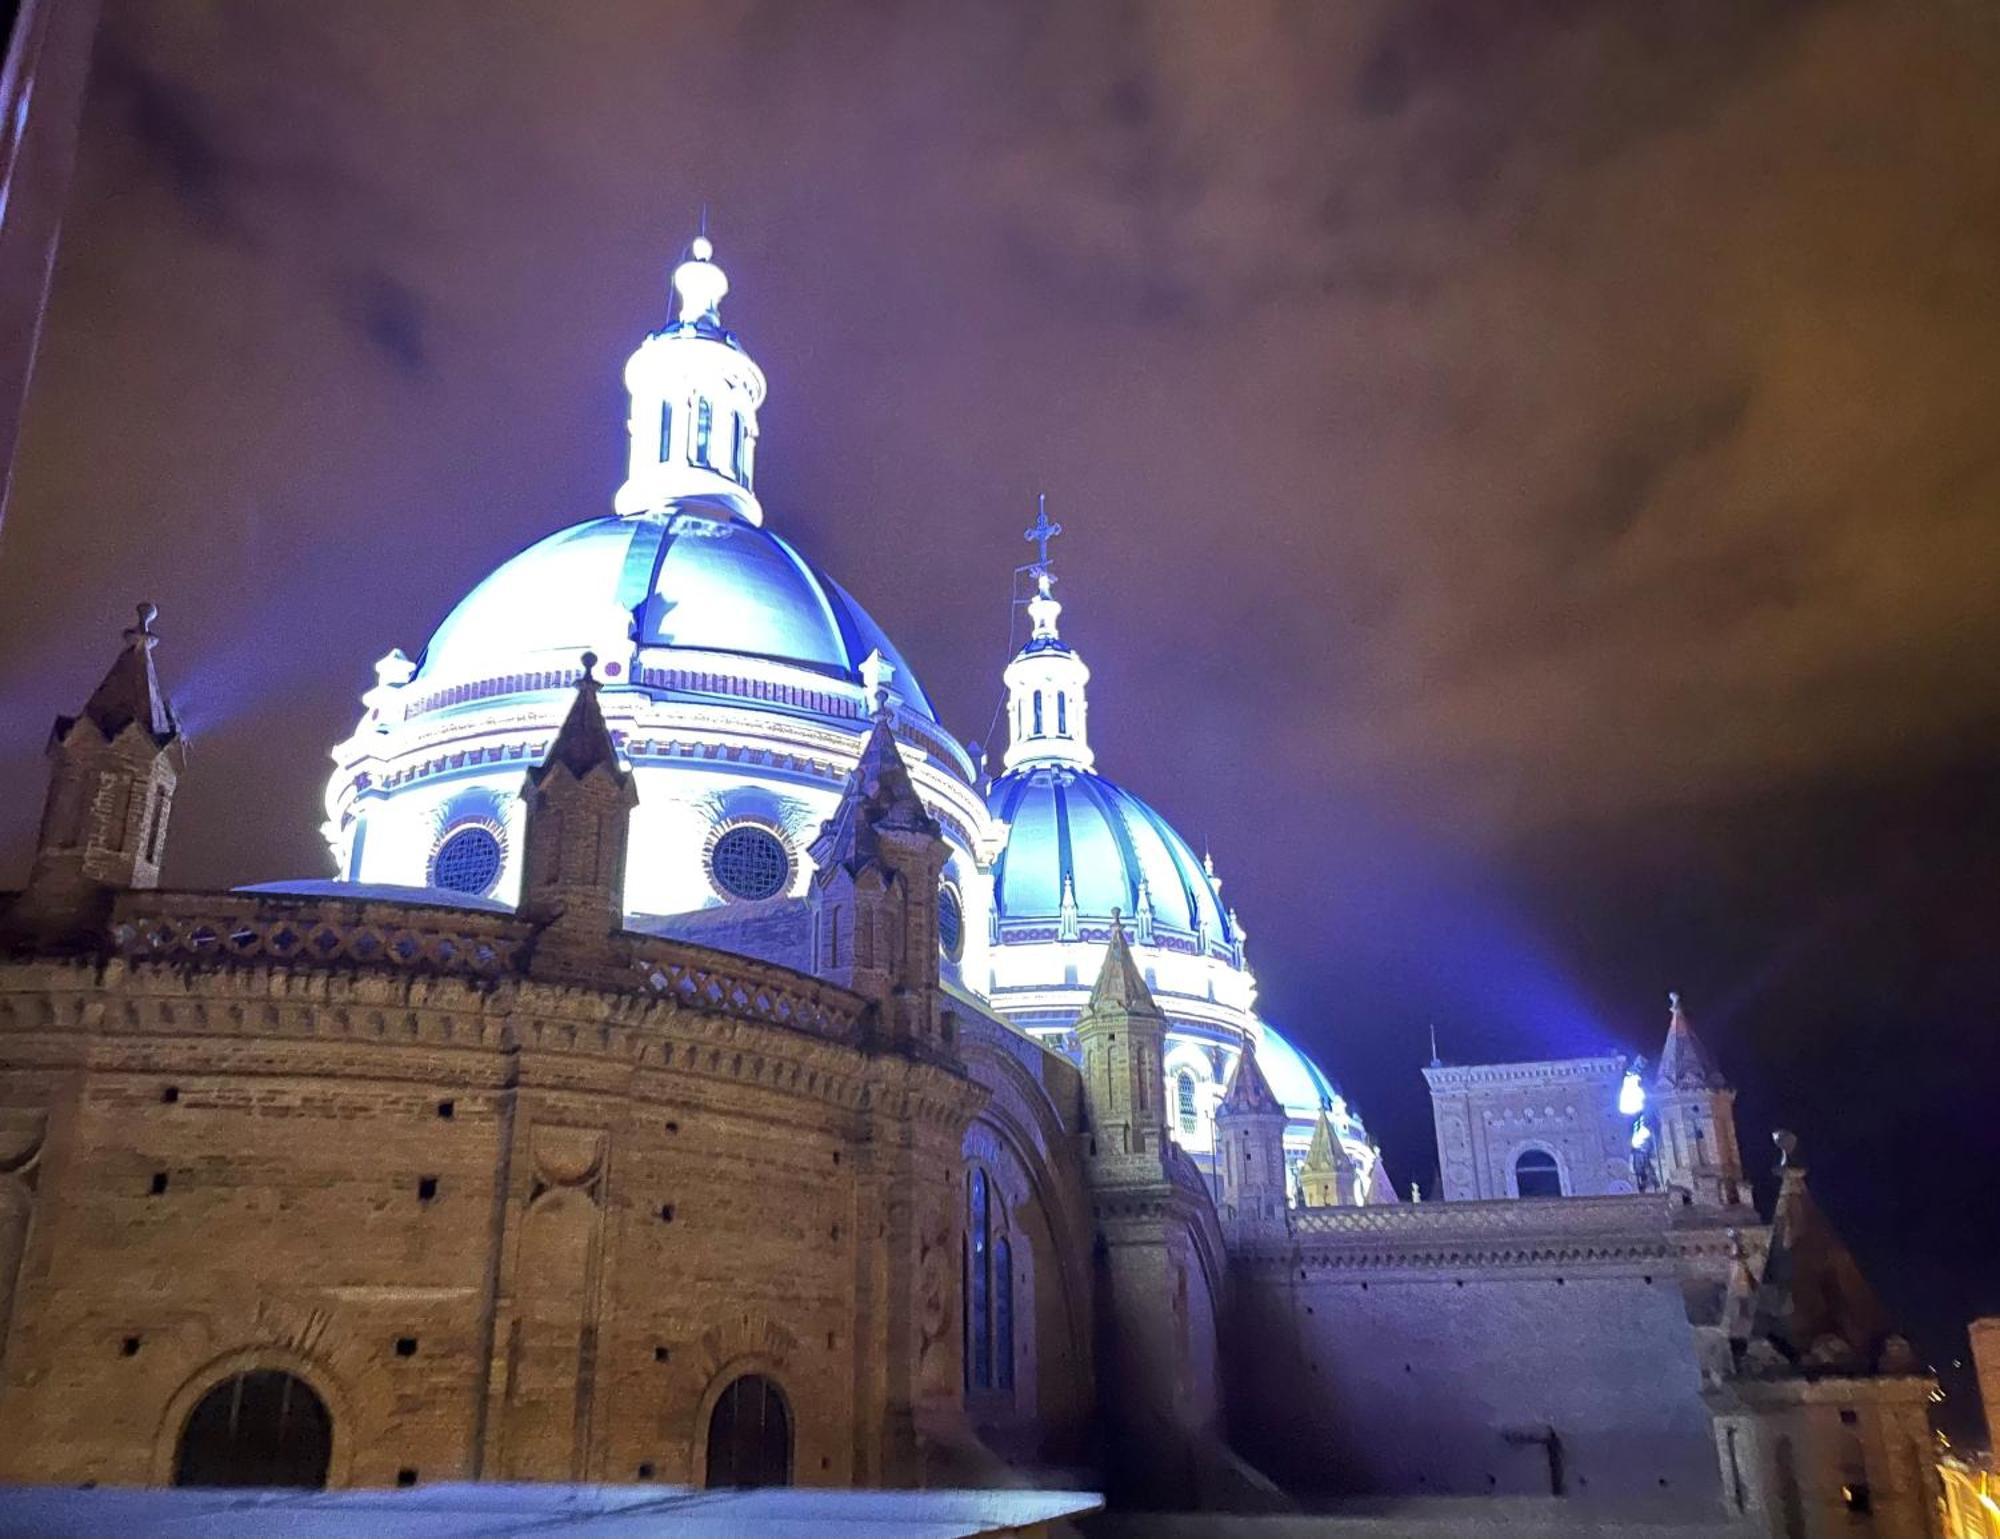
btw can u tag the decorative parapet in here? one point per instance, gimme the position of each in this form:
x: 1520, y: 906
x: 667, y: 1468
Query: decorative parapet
x: 1429, y: 1236
x: 751, y: 991
x: 219, y: 930
x: 325, y: 932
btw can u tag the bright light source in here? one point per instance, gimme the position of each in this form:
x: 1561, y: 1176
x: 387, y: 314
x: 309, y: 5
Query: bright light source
x: 1642, y: 1135
x: 1631, y: 1095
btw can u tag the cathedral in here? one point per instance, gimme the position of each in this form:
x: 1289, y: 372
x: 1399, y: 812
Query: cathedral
x: 703, y: 1068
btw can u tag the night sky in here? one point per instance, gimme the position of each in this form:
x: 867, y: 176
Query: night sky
x: 1530, y: 470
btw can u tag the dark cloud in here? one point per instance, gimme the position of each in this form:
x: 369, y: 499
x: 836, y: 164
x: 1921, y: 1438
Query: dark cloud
x: 390, y: 316
x: 1528, y: 466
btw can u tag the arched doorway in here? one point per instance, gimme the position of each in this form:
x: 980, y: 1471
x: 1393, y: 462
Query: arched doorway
x: 750, y: 1435
x: 261, y: 1428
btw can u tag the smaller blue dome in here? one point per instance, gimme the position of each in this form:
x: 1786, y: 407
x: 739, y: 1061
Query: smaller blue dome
x: 1070, y: 824
x: 1294, y: 1078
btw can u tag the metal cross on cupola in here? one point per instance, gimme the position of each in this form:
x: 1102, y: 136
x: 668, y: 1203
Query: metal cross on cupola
x: 1042, y: 533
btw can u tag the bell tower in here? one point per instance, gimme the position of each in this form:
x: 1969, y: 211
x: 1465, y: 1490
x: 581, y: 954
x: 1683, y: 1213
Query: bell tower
x: 113, y: 772
x: 1696, y: 1110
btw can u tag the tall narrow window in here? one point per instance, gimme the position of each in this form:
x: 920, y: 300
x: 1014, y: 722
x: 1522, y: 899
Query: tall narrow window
x: 1062, y: 713
x: 704, y: 430
x: 1184, y: 1101
x: 666, y: 431
x: 978, y: 1318
x: 1003, y: 1314
x: 162, y: 805
x: 1038, y: 713
x: 739, y: 464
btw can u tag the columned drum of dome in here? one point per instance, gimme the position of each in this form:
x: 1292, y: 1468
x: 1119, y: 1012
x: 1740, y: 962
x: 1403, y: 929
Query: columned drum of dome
x: 738, y: 679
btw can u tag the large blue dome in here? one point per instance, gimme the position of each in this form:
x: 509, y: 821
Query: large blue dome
x: 682, y: 579
x: 1067, y: 824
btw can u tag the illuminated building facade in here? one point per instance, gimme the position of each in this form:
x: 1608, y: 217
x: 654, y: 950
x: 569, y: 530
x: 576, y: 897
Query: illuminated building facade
x: 697, y: 1072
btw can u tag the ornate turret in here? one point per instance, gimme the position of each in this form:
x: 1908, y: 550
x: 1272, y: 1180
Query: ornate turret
x: 1122, y: 1036
x: 112, y: 775
x: 580, y: 801
x: 1329, y: 1178
x: 1250, y: 1136
x: 878, y: 861
x: 695, y: 395
x: 1695, y: 1110
x: 1046, y: 707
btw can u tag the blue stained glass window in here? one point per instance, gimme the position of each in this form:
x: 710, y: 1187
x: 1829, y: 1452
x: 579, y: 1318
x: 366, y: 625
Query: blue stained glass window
x: 666, y: 430
x: 1184, y: 1101
x: 1062, y: 713
x: 468, y: 861
x: 951, y: 923
x: 979, y: 1361
x: 1003, y: 1313
x: 751, y: 863
x: 1038, y: 713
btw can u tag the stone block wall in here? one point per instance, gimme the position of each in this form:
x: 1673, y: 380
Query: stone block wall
x: 1417, y: 1351
x: 505, y: 1230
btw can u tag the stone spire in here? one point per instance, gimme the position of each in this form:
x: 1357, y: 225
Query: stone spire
x: 580, y: 801
x: 1250, y: 1137
x: 114, y: 768
x: 1329, y: 1178
x: 1047, y: 711
x: 695, y: 397
x: 1694, y: 1110
x: 1685, y: 1063
x: 877, y: 864
x: 130, y: 692
x: 1122, y: 1035
x: 1815, y: 1312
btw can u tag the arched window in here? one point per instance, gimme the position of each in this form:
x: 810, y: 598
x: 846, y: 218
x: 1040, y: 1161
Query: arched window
x: 1184, y: 1107
x: 1062, y: 713
x: 1003, y: 1314
x: 1537, y: 1175
x: 989, y: 1289
x: 1038, y: 713
x: 262, y: 1428
x: 979, y: 1300
x: 750, y: 1435
x: 704, y: 430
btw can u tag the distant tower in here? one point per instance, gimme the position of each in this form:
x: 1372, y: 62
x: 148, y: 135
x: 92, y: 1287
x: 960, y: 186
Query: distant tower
x: 695, y: 395
x: 878, y: 861
x: 580, y: 802
x: 1046, y: 709
x: 112, y: 776
x: 1250, y: 1134
x: 1329, y: 1178
x: 1695, y: 1109
x: 1122, y: 1036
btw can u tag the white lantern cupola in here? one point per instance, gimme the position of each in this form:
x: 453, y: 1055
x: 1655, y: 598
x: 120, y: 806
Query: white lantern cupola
x: 695, y: 395
x: 1047, y: 714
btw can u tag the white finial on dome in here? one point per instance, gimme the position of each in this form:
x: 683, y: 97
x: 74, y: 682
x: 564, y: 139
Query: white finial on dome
x: 699, y: 284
